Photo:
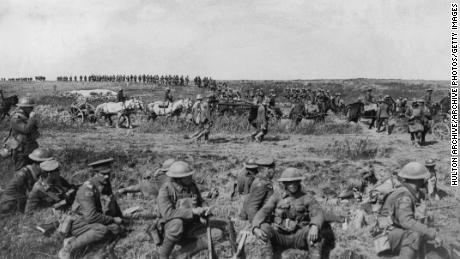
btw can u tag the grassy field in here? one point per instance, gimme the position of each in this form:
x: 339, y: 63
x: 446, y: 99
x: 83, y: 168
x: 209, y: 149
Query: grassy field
x: 330, y: 154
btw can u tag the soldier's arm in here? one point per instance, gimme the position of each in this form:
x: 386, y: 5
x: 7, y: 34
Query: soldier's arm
x: 33, y: 201
x: 265, y: 211
x: 315, y: 211
x: 23, y: 127
x: 88, y: 208
x: 256, y: 198
x: 406, y: 218
x: 130, y: 189
x: 168, y: 210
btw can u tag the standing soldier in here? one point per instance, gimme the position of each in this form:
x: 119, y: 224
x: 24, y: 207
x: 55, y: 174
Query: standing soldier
x: 290, y: 220
x: 260, y: 189
x: 51, y: 189
x: 24, y: 132
x: 93, y: 223
x: 369, y: 98
x: 205, y: 120
x: 428, y: 97
x: 168, y: 96
x: 272, y: 102
x: 181, y: 208
x: 298, y: 111
x: 406, y: 234
x: 261, y: 122
x: 121, y: 96
x: 14, y: 196
x: 383, y: 113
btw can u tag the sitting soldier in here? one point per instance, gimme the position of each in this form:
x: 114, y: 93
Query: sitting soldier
x: 397, y: 218
x: 290, y: 220
x: 260, y: 190
x: 245, y: 178
x: 93, y: 223
x: 181, y: 208
x: 51, y: 189
x: 151, y: 182
x: 14, y: 196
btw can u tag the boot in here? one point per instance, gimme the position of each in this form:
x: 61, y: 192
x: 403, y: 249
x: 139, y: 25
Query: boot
x: 166, y: 249
x: 74, y: 243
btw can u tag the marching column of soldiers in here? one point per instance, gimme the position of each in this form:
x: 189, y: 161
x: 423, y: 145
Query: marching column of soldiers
x: 281, y: 218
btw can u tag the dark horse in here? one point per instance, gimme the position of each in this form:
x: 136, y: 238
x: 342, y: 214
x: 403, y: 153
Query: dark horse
x: 356, y: 111
x: 6, y: 104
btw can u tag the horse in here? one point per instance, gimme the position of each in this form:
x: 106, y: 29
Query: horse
x: 6, y: 104
x: 121, y: 109
x: 173, y: 109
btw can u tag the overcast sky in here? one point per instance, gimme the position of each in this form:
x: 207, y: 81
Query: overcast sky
x: 227, y: 39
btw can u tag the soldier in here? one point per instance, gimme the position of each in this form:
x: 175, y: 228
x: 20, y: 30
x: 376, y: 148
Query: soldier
x: 432, y: 191
x: 416, y: 120
x: 24, y: 132
x: 272, y: 102
x: 181, y: 208
x: 405, y: 233
x: 168, y: 96
x: 204, y: 119
x: 121, y: 96
x: 428, y: 98
x: 245, y: 177
x: 151, y: 182
x: 369, y: 98
x: 298, y: 112
x: 261, y: 122
x: 260, y: 189
x: 290, y: 220
x: 15, y: 194
x: 93, y: 222
x: 51, y: 190
x: 383, y: 113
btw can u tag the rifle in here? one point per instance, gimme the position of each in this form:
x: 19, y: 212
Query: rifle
x: 443, y: 207
x: 208, y: 233
x: 240, y: 245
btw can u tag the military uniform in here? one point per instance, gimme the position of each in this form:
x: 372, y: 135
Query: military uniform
x: 286, y: 219
x: 406, y: 230
x: 120, y: 96
x: 261, y: 122
x: 45, y: 195
x: 14, y: 196
x: 297, y: 112
x: 259, y: 192
x: 25, y: 131
x: 168, y: 97
x: 383, y: 113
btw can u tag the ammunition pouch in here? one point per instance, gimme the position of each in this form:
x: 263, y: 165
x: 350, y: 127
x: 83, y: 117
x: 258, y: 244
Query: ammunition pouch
x: 157, y: 231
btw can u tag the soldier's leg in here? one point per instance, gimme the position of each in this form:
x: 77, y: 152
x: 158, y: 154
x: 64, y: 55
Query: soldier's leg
x: 174, y: 230
x: 274, y: 239
x: 95, y: 233
x: 406, y: 243
x: 300, y: 241
x: 200, y: 243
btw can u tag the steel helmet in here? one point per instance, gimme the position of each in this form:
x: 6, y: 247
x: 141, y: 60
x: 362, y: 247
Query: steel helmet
x: 251, y: 164
x: 167, y: 164
x: 26, y: 101
x: 291, y: 174
x: 414, y: 171
x: 49, y: 165
x: 430, y: 163
x: 40, y: 155
x: 199, y: 97
x: 179, y: 169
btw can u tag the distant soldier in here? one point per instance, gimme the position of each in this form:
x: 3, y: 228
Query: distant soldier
x: 260, y: 189
x: 168, y: 96
x: 428, y: 98
x: 24, y: 132
x: 261, y: 122
x: 51, y: 189
x: 204, y: 120
x: 298, y: 112
x: 151, y: 181
x: 383, y: 113
x: 369, y: 98
x: 416, y: 120
x: 398, y: 218
x: 432, y: 190
x: 196, y: 109
x: 14, y: 196
x: 121, y: 96
x: 97, y: 215
x: 183, y: 213
x: 290, y: 220
x: 272, y: 102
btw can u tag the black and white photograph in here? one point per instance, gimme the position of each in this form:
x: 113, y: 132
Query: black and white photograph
x: 238, y: 129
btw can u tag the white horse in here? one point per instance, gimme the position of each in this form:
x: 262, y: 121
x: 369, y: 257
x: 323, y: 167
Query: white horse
x: 159, y: 108
x: 120, y: 109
